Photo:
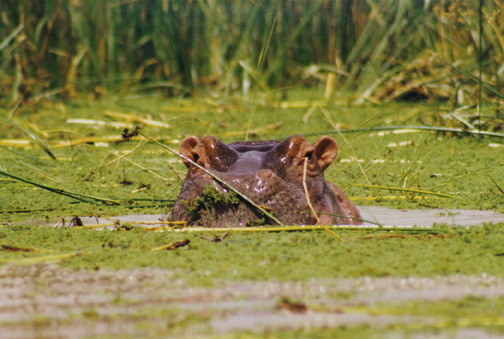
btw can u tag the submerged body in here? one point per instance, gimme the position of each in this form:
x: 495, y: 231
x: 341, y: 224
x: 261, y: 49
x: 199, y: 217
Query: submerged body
x: 272, y: 174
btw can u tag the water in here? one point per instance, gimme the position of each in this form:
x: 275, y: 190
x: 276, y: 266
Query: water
x: 429, y: 217
x: 382, y: 215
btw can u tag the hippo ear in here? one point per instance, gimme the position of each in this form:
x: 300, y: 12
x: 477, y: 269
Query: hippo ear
x: 326, y: 151
x: 218, y: 154
x: 186, y: 149
x: 289, y: 150
x: 208, y: 152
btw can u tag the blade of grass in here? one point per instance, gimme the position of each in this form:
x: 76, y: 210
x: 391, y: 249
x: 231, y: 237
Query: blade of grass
x: 41, y: 143
x: 405, y: 190
x: 26, y: 156
x: 77, y: 196
x: 11, y: 36
x: 256, y: 74
x: 496, y: 184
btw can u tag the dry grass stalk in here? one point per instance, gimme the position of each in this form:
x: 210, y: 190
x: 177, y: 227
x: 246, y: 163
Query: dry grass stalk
x: 167, y: 224
x: 396, y: 197
x: 98, y: 123
x: 299, y: 104
x: 172, y: 246
x: 130, y: 118
x: 305, y: 187
x: 308, y: 200
x: 16, y: 143
x: 86, y: 140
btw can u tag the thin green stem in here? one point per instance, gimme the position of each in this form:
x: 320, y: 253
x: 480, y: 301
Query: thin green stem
x: 74, y: 195
x: 405, y: 190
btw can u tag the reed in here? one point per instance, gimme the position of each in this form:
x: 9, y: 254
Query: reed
x: 375, y: 50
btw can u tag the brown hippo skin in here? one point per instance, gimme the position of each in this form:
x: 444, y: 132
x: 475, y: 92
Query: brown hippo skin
x: 270, y: 173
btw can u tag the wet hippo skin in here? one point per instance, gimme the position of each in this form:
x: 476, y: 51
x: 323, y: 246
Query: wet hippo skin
x: 268, y: 172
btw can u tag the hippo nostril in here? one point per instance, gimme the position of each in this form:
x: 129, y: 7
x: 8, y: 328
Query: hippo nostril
x: 195, y: 157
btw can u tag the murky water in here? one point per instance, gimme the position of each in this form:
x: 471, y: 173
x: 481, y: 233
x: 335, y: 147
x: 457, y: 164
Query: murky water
x: 49, y: 301
x: 382, y: 215
x: 429, y: 217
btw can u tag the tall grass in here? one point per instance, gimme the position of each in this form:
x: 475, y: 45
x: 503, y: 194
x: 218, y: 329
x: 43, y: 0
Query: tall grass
x: 375, y: 50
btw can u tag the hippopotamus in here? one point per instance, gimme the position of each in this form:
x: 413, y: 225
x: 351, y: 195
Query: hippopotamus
x: 272, y: 174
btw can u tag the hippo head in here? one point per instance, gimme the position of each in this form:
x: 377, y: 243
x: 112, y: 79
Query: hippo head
x: 275, y: 175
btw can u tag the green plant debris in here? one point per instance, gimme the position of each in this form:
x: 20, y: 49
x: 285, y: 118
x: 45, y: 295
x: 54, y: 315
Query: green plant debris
x: 211, y: 200
x: 260, y: 256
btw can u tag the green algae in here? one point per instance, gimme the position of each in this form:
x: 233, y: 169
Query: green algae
x: 260, y: 256
x: 391, y: 331
x: 468, y: 311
